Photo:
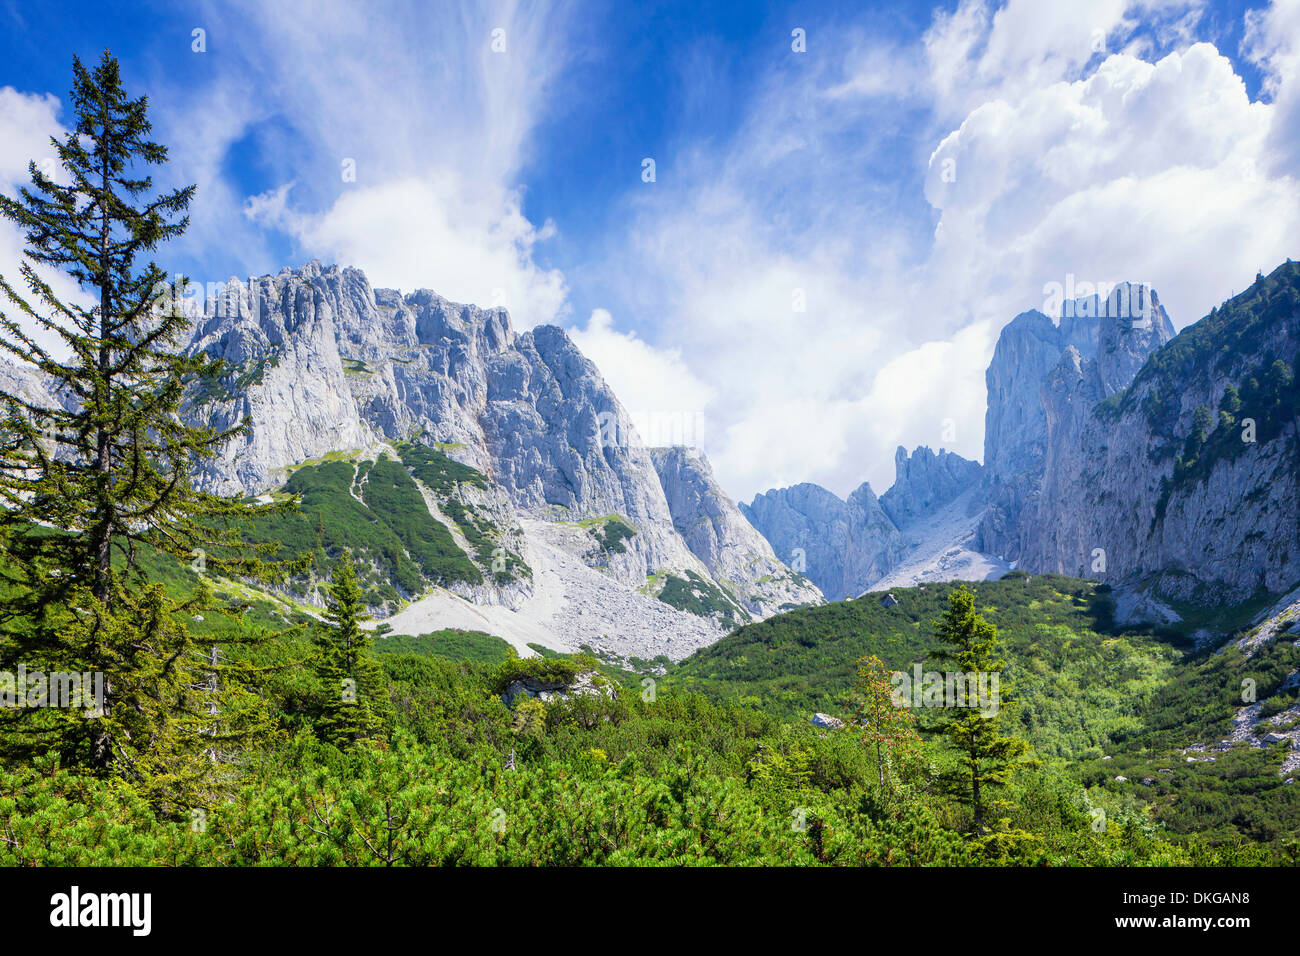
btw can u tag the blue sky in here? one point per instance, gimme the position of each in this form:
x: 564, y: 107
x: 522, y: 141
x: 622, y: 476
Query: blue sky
x: 799, y: 283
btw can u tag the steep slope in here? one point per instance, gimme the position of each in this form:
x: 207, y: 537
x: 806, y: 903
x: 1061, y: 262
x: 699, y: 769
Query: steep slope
x: 1117, y: 332
x: 849, y: 546
x: 717, y: 533
x: 514, y: 442
x: 841, y: 546
x: 1190, y: 477
x: 924, y: 482
x: 806, y: 526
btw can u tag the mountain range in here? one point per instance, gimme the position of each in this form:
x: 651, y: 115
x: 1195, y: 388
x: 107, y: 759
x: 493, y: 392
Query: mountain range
x: 491, y: 480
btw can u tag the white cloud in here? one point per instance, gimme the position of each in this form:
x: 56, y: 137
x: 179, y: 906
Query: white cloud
x: 1272, y: 41
x: 27, y: 122
x: 1149, y: 172
x: 1147, y: 162
x: 466, y: 240
x: 668, y: 404
x: 431, y: 125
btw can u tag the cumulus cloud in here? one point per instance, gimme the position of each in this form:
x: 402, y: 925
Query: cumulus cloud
x: 1272, y: 41
x: 1094, y: 140
x: 466, y: 240
x: 666, y: 401
x: 1132, y: 173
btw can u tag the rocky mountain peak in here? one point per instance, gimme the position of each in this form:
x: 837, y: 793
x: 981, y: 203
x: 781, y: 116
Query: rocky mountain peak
x: 925, y: 482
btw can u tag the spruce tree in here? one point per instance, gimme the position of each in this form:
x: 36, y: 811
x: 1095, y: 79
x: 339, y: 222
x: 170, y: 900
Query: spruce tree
x: 352, y: 688
x: 97, y: 482
x: 970, y: 647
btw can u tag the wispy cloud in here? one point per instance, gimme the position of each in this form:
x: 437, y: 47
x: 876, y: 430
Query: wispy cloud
x: 391, y: 139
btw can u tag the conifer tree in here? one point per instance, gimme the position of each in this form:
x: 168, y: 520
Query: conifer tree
x: 91, y: 485
x: 970, y: 647
x: 352, y: 705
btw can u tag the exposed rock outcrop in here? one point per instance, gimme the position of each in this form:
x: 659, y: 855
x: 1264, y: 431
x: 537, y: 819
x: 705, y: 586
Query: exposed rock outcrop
x: 924, y: 482
x: 1154, y: 485
x: 807, y: 527
x: 1109, y: 339
x: 842, y: 546
x: 737, y: 556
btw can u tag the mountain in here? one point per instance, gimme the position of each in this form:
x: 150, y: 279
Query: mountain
x: 925, y: 482
x: 850, y: 546
x: 1186, y: 480
x: 1166, y: 465
x: 806, y: 526
x: 489, y: 480
x: 718, y: 534
x: 1126, y: 712
x: 841, y: 546
x: 1031, y: 347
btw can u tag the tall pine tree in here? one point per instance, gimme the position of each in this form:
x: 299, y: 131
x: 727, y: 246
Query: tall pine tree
x: 96, y: 481
x: 970, y: 647
x: 352, y: 686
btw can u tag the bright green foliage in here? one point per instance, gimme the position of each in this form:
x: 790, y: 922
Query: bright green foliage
x: 376, y: 511
x: 108, y: 469
x: 439, y: 472
x: 701, y: 597
x: 452, y: 643
x: 969, y: 645
x: 611, y: 533
x: 353, y: 688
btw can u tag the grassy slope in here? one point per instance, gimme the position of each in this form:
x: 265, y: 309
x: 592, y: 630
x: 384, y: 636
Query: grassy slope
x: 1084, y: 691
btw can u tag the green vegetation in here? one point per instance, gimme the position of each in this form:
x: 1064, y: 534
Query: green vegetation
x: 700, y: 597
x: 105, y: 476
x: 444, y: 476
x: 449, y: 643
x: 1267, y: 400
x: 610, y: 532
x: 436, y: 471
x: 969, y: 645
x: 294, y: 745
x: 354, y: 692
x: 400, y: 546
x: 1209, y: 347
x: 1084, y: 690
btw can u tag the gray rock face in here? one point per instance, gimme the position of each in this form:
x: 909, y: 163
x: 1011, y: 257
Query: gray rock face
x: 847, y: 546
x: 925, y: 482
x: 806, y: 526
x: 1116, y: 334
x: 319, y: 362
x: 737, y: 556
x: 583, y: 684
x: 1015, y: 428
x: 873, y: 544
x: 842, y: 546
x: 1110, y: 504
x: 26, y: 383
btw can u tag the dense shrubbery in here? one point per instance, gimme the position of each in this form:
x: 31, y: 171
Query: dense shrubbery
x: 377, y: 512
x: 681, y: 780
